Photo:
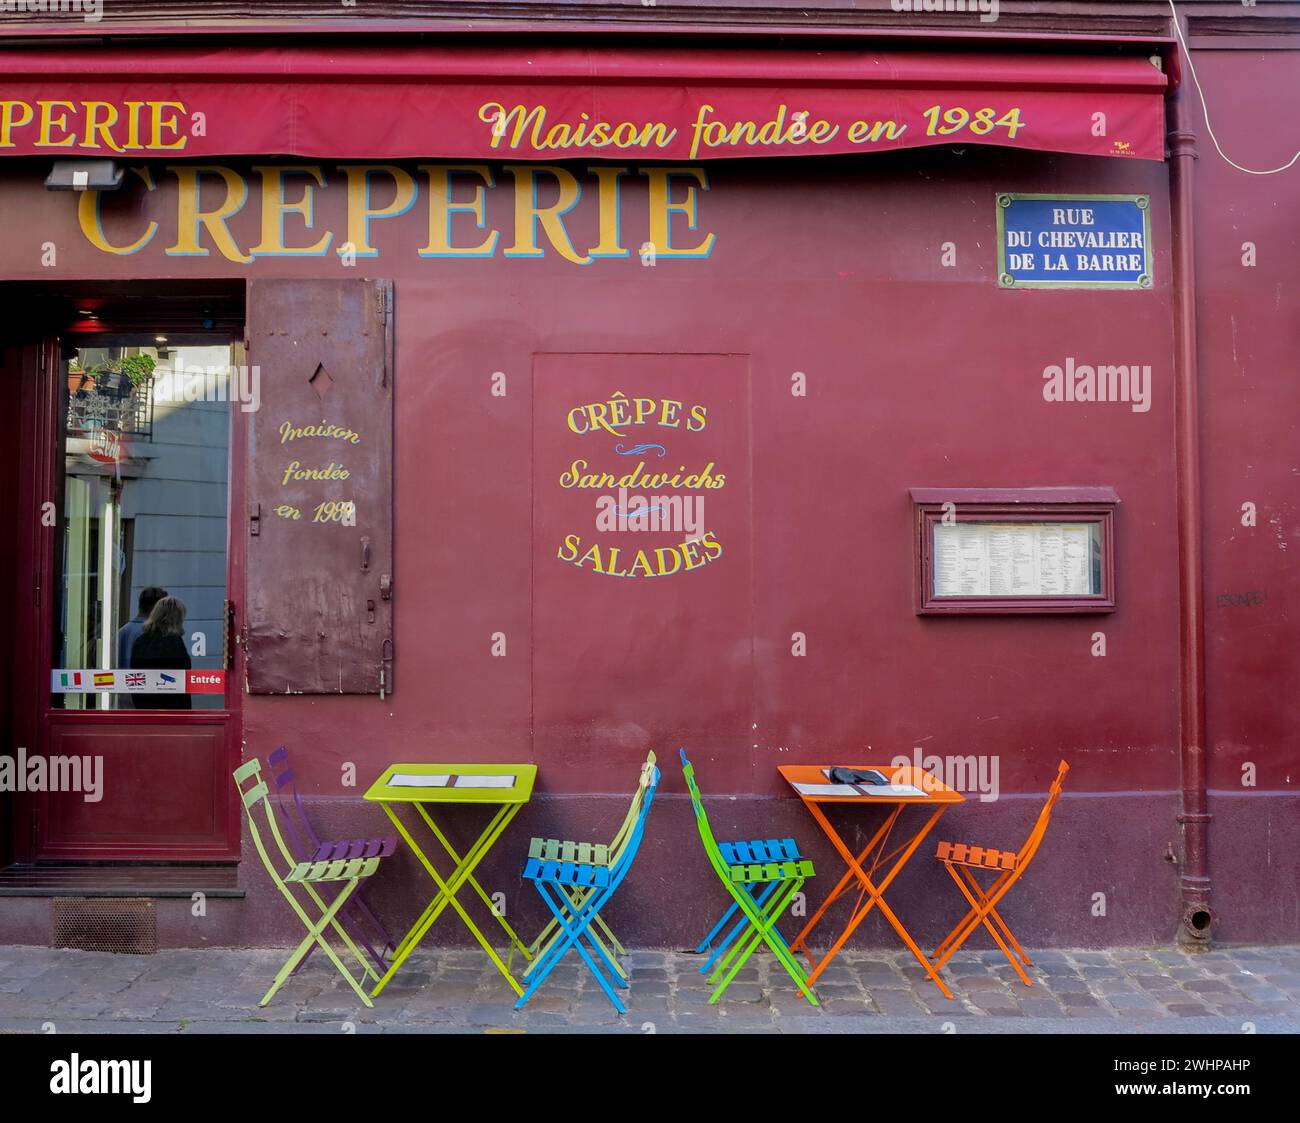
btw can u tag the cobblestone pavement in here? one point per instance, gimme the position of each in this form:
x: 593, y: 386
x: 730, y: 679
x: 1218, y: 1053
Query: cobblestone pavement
x: 1117, y: 991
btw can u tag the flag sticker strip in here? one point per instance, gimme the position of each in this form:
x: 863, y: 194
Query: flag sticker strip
x: 93, y: 680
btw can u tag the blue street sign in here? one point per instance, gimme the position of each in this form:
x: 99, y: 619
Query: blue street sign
x: 1074, y: 241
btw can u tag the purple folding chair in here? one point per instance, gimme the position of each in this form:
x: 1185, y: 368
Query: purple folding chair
x: 310, y: 848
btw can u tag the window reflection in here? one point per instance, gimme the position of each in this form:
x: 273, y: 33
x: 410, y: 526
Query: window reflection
x: 142, y: 553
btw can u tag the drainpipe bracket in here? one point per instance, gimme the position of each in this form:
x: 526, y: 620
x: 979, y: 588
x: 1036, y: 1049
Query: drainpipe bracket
x: 1181, y: 142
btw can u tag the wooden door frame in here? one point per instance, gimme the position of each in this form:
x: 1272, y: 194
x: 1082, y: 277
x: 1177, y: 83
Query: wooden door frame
x: 36, y: 579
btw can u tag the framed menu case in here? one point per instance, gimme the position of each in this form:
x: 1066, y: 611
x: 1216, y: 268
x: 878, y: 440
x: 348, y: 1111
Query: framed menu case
x: 1015, y: 550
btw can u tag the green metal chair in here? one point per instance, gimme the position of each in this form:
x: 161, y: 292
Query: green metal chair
x: 307, y: 875
x: 575, y: 896
x: 760, y: 913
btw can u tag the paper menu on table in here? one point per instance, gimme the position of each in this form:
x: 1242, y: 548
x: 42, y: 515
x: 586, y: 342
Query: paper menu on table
x: 853, y: 791
x: 445, y: 780
x: 891, y: 789
x: 826, y: 789
x: 468, y: 781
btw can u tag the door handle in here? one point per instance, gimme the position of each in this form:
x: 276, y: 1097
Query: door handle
x: 229, y: 637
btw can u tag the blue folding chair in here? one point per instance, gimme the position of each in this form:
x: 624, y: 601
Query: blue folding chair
x: 560, y: 883
x: 592, y: 853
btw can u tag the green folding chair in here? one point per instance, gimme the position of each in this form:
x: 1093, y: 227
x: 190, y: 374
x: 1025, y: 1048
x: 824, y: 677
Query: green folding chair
x: 350, y: 871
x: 781, y: 881
x: 575, y: 896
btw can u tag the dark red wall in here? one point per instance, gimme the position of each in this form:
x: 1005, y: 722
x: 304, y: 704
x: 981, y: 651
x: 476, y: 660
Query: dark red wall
x: 1249, y: 321
x: 918, y: 375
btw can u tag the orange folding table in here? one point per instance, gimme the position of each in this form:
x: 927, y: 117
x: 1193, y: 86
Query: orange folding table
x: 869, y: 874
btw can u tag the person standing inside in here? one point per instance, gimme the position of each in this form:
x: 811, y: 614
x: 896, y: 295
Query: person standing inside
x: 161, y: 647
x: 129, y: 632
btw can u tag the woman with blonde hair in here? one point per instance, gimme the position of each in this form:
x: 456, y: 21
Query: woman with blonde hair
x: 161, y: 647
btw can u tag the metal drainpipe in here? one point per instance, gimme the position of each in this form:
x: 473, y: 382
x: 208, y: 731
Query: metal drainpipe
x: 1195, y: 914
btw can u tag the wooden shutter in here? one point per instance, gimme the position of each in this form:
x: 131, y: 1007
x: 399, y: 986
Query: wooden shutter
x: 319, y: 613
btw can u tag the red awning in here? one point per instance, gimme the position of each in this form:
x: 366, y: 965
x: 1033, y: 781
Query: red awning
x: 370, y: 103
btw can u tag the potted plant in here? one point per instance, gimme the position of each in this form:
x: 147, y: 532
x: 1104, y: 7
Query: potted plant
x: 117, y: 378
x: 80, y: 380
x: 138, y: 369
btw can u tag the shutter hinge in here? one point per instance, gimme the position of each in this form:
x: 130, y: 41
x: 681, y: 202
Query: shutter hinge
x: 384, y: 295
x: 255, y: 520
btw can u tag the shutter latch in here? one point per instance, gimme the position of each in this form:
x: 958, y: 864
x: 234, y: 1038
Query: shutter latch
x: 385, y: 658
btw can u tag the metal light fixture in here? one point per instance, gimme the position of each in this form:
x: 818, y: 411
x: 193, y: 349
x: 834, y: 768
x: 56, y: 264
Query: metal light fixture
x: 84, y: 175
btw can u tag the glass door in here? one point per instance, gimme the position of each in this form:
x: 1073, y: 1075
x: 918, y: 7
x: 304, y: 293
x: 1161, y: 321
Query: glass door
x: 136, y: 701
x: 140, y: 619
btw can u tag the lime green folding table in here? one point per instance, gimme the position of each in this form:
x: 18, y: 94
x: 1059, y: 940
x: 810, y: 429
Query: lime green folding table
x: 504, y: 786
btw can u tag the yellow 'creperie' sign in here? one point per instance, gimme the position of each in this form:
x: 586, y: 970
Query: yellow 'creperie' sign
x: 90, y: 125
x: 451, y: 223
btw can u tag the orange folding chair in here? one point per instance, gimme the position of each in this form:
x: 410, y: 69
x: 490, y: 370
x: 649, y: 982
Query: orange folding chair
x: 961, y: 859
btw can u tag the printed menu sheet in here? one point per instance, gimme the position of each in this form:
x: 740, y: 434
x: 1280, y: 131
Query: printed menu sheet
x: 983, y: 559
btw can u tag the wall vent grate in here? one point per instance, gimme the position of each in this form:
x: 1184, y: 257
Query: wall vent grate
x: 124, y: 925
